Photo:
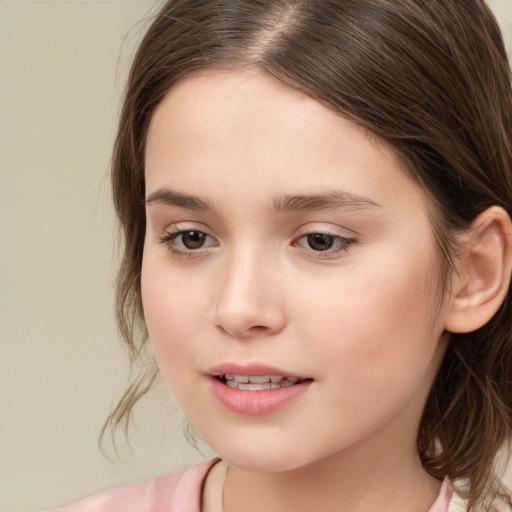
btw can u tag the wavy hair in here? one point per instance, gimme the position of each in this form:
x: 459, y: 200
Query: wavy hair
x: 430, y: 78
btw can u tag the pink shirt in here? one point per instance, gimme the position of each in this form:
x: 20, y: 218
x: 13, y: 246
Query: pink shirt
x: 181, y: 492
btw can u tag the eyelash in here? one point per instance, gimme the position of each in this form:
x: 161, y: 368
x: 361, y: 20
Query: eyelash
x: 169, y: 240
x: 345, y: 244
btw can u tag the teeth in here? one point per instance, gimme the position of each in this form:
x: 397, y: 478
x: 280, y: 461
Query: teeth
x: 255, y: 387
x: 258, y: 382
x: 259, y: 379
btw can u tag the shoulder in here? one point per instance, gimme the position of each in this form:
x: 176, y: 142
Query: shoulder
x: 501, y: 503
x: 449, y: 500
x: 175, y: 492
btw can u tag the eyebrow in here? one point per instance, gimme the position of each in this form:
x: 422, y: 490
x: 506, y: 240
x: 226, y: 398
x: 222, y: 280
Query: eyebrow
x: 328, y: 201
x: 169, y: 197
x: 313, y: 202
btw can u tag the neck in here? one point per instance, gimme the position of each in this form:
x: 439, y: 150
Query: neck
x: 353, y: 480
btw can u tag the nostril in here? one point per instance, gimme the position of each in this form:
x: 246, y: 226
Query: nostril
x: 243, y: 311
x: 243, y: 333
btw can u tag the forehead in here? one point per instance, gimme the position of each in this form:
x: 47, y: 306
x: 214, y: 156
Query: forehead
x: 247, y: 132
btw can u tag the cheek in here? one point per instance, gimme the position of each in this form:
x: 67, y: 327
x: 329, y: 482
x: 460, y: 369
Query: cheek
x: 374, y: 331
x: 380, y: 297
x: 174, y: 315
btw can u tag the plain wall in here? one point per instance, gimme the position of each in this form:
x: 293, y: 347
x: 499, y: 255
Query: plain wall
x: 62, y: 67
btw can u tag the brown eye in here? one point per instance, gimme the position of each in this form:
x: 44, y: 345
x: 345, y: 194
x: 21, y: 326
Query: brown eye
x: 188, y: 242
x: 324, y: 245
x: 320, y: 241
x: 192, y: 239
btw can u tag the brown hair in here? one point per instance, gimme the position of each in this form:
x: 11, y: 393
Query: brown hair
x: 429, y: 77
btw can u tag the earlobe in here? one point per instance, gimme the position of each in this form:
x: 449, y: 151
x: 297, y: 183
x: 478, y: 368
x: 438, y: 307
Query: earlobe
x: 482, y: 282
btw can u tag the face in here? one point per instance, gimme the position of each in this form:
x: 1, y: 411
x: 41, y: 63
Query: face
x: 283, y: 241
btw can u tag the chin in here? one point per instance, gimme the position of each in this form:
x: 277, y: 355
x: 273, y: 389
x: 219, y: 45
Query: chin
x: 261, y: 456
x: 263, y: 462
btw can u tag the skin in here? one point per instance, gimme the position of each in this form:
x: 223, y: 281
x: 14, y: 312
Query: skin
x: 362, y: 319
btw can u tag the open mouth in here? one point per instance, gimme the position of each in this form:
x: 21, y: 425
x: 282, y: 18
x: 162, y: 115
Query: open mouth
x: 257, y: 382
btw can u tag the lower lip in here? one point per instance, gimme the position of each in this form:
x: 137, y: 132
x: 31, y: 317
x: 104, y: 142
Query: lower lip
x: 254, y: 403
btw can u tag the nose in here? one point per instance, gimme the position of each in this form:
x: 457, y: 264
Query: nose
x: 250, y: 301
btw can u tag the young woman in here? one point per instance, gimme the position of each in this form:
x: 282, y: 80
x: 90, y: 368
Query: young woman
x: 315, y: 199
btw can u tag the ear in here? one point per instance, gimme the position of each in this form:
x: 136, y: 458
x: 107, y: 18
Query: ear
x: 483, y: 278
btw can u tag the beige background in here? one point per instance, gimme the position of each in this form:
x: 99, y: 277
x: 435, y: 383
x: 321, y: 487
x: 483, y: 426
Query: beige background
x: 62, y: 66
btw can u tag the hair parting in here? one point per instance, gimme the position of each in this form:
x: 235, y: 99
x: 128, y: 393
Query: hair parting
x: 429, y: 78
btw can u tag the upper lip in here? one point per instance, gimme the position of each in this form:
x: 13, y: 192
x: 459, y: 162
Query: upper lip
x: 255, y: 369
